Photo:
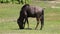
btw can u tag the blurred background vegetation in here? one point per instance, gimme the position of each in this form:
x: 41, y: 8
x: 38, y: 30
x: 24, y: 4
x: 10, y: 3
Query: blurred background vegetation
x: 22, y: 1
x: 14, y: 1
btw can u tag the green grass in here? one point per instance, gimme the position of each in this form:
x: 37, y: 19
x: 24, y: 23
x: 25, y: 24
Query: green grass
x: 10, y: 12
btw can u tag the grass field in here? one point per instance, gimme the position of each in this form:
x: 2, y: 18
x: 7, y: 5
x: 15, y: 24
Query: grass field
x: 10, y: 12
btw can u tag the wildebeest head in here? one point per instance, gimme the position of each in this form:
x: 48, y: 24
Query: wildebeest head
x: 20, y: 24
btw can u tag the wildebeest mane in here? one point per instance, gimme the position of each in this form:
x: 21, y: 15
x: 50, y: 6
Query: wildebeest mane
x: 25, y: 6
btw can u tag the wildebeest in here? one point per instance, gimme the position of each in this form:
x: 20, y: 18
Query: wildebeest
x: 30, y: 11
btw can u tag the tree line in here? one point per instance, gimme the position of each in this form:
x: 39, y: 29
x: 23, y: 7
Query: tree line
x: 20, y: 1
x: 8, y: 1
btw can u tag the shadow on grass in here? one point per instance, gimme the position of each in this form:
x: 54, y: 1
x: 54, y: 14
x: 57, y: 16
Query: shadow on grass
x: 28, y: 29
x: 23, y: 29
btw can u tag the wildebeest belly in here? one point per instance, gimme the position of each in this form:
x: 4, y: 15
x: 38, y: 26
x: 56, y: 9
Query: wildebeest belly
x: 31, y: 15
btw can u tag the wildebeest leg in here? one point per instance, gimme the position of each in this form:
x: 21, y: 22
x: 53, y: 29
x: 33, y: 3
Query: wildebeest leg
x: 24, y: 22
x: 26, y: 19
x: 28, y: 23
x: 37, y: 23
x: 42, y: 22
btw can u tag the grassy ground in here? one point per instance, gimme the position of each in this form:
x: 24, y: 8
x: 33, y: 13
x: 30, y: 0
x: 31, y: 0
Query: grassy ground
x: 10, y: 12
